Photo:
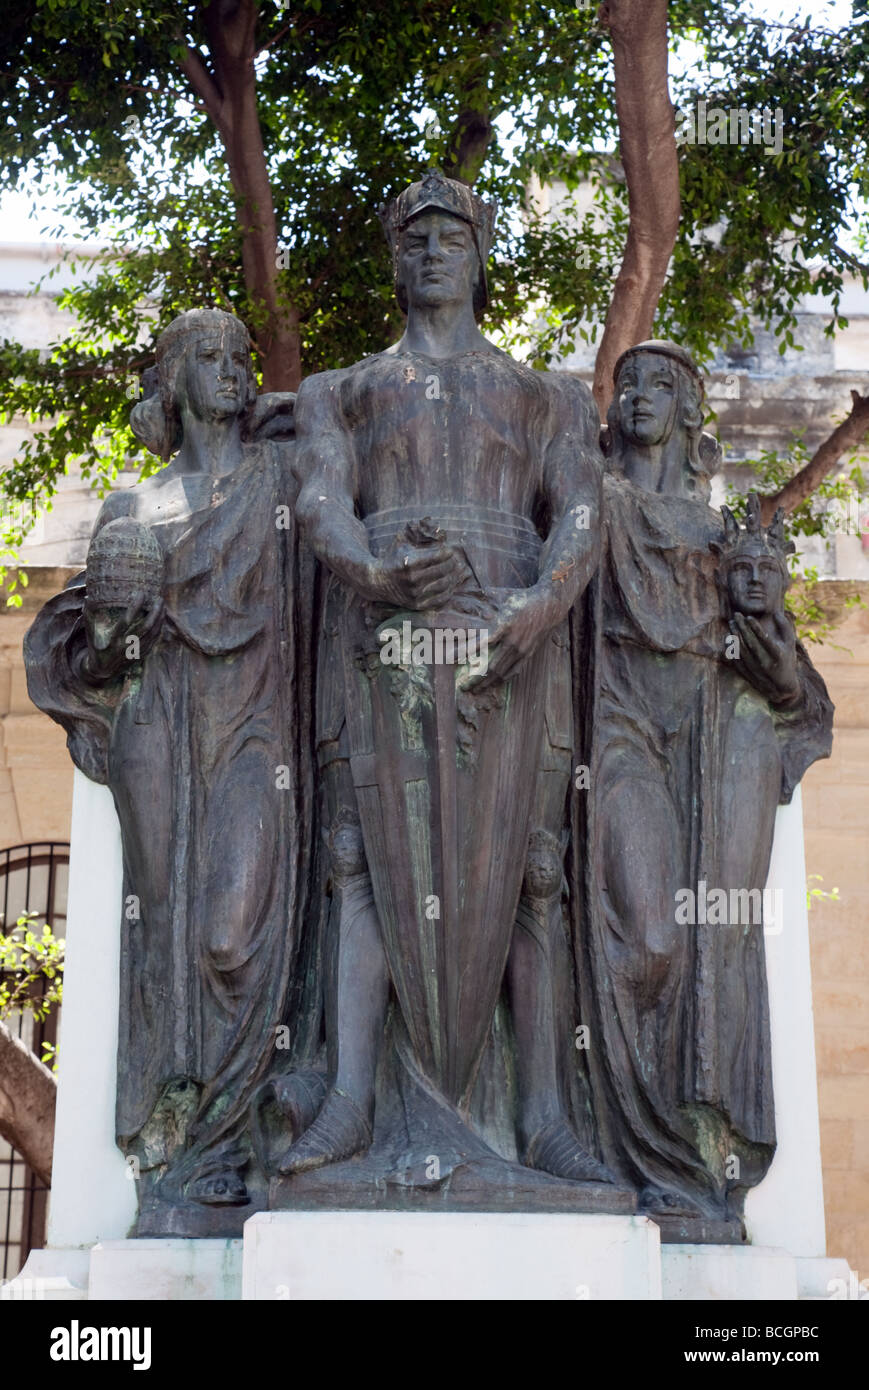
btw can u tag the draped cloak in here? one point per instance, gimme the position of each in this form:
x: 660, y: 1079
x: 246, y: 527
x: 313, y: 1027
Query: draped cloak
x: 204, y: 747
x: 682, y: 1082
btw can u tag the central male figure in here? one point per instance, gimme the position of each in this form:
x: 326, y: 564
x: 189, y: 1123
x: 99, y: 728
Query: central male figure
x: 445, y: 485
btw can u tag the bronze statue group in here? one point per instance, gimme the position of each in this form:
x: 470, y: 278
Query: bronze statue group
x: 403, y: 933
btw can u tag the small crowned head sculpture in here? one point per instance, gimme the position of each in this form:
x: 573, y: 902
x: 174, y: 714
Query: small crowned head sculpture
x: 753, y: 574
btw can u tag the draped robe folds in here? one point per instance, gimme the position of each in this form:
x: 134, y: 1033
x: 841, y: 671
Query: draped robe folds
x: 687, y: 766
x: 203, y: 745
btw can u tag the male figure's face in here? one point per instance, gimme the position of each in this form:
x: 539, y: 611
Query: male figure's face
x: 215, y: 375
x: 437, y: 260
x: 755, y: 583
x: 647, y: 394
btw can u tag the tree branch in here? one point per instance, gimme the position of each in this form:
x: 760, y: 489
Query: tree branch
x: 274, y: 38
x: 206, y: 89
x: 28, y: 1092
x: 647, y: 138
x: 845, y: 437
x: 230, y: 99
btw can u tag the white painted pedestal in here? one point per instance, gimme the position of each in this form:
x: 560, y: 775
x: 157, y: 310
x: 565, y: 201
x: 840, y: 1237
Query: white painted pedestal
x: 755, y: 1272
x: 448, y: 1255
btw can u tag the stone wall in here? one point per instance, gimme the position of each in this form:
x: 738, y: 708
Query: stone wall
x: 836, y: 815
x: 35, y: 769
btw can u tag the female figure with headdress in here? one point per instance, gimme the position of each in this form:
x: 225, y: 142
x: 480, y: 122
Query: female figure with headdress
x: 176, y: 669
x: 705, y: 715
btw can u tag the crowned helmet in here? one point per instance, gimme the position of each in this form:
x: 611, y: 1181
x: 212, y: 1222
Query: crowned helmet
x: 124, y: 559
x: 753, y: 538
x: 435, y: 190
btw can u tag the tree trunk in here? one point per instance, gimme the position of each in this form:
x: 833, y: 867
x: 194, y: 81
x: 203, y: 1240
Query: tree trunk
x: 472, y: 133
x: 647, y: 138
x: 469, y: 144
x: 845, y: 437
x: 27, y: 1097
x: 228, y: 93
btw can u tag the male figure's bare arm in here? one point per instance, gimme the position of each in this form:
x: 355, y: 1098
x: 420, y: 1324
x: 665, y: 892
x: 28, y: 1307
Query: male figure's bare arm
x: 326, y: 468
x: 573, y: 487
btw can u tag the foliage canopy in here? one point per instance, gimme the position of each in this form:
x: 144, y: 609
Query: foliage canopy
x: 110, y: 101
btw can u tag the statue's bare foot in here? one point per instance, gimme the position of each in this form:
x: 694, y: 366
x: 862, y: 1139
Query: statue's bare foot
x: 340, y: 1131
x: 220, y: 1189
x: 555, y: 1149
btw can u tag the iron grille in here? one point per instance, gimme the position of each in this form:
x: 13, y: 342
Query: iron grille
x: 33, y: 878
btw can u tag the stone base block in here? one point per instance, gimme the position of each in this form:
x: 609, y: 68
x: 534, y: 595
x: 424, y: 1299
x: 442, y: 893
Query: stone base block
x: 52, y: 1276
x: 450, y: 1255
x: 723, y: 1272
x: 433, y: 1256
x: 823, y: 1278
x: 755, y: 1272
x: 132, y: 1270
x: 166, y: 1269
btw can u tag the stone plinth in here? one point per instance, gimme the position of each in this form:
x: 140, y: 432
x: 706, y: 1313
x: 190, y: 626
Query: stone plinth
x: 166, y: 1270
x: 450, y: 1255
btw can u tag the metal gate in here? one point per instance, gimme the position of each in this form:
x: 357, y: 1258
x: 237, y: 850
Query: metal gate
x: 33, y: 878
